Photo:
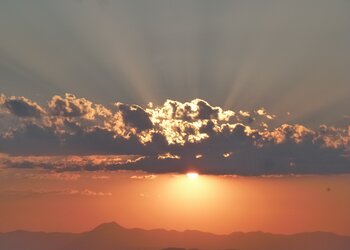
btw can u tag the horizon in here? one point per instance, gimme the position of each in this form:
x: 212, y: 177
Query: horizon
x: 114, y: 223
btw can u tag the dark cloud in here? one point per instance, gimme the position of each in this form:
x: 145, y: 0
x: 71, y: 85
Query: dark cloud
x: 31, y: 139
x: 135, y: 116
x: 22, y: 107
x: 175, y: 137
x: 205, y: 111
x: 35, y: 140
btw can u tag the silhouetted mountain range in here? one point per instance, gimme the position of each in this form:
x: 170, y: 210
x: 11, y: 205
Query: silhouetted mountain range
x: 111, y: 236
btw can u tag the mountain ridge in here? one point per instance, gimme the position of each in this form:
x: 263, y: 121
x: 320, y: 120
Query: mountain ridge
x: 113, y: 236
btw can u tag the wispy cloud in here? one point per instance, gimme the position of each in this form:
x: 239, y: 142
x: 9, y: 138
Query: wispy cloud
x: 143, y: 177
x: 43, y: 192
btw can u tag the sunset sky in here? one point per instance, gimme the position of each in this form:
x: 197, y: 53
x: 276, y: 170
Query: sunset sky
x: 106, y: 106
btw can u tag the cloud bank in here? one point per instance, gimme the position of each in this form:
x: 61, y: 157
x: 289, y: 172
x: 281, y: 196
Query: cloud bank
x: 172, y: 137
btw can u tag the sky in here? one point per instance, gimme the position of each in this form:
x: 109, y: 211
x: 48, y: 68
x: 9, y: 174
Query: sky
x: 76, y: 202
x: 106, y: 105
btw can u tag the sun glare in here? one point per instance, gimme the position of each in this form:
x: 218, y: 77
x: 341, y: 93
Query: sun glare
x: 192, y: 175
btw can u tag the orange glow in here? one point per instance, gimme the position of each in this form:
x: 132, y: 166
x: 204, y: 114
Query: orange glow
x: 192, y: 175
x: 48, y: 201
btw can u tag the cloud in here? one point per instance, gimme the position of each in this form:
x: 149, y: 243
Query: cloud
x: 21, y: 106
x: 55, y: 176
x: 169, y: 138
x: 67, y: 163
x: 143, y: 177
x: 100, y: 177
x: 135, y: 117
x: 43, y: 192
x: 88, y: 192
x: 2, y: 102
x: 168, y: 155
x: 71, y: 106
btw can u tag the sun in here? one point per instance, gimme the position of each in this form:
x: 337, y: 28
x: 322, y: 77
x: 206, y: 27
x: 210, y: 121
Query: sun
x: 192, y: 175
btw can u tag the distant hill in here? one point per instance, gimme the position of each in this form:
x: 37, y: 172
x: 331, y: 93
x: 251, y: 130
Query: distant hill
x: 111, y: 236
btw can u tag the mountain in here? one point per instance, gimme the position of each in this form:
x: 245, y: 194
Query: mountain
x: 111, y: 236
